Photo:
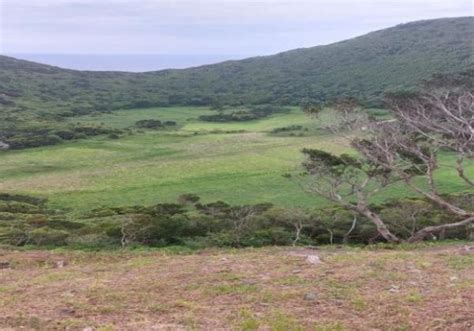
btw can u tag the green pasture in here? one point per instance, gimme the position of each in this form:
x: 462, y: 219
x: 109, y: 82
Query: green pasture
x: 148, y: 167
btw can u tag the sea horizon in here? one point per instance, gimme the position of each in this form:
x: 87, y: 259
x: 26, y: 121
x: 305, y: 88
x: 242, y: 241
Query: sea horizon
x: 126, y: 62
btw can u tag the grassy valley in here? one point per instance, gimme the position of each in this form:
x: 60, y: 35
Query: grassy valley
x: 237, y: 162
x: 157, y: 166
x: 325, y: 189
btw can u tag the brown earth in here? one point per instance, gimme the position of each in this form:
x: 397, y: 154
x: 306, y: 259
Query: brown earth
x: 248, y: 289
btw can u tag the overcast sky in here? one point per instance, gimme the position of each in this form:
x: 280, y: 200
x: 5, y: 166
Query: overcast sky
x: 192, y: 27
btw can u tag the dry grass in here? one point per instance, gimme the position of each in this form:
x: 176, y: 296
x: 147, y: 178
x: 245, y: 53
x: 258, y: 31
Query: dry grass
x: 251, y: 289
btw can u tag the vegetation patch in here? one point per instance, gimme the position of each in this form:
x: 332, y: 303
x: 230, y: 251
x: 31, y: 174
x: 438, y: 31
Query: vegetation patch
x: 243, y: 115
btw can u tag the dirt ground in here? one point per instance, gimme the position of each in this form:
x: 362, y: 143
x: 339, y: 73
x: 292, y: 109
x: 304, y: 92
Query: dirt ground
x: 280, y: 289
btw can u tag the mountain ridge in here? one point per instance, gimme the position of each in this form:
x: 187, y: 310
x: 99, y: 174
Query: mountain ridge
x: 364, y: 67
x: 400, y: 25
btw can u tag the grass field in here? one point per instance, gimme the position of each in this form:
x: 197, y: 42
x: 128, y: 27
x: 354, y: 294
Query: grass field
x: 408, y: 288
x: 212, y: 160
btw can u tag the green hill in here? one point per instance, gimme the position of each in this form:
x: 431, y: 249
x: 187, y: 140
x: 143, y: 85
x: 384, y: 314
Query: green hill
x: 365, y: 67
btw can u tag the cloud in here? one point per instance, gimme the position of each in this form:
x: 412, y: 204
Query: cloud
x: 201, y: 26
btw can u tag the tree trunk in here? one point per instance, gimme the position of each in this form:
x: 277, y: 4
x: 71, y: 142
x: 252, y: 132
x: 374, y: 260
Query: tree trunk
x: 429, y: 230
x: 331, y: 237
x: 442, y: 234
x: 434, y: 197
x: 345, y: 239
x: 380, y: 225
x: 471, y: 232
x: 298, y: 229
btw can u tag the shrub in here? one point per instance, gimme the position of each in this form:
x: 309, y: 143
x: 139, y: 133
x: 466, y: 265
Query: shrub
x: 52, y: 139
x: 13, y: 236
x: 48, y: 237
x: 148, y: 124
x: 242, y: 115
x: 169, y: 123
x: 92, y: 240
x: 188, y: 198
x: 65, y: 134
x: 287, y: 129
x: 80, y: 135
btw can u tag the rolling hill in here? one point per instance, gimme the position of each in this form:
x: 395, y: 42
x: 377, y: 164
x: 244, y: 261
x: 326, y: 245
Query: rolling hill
x: 32, y: 94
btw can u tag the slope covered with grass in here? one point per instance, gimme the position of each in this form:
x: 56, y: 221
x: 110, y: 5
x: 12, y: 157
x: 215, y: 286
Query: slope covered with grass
x: 240, y: 163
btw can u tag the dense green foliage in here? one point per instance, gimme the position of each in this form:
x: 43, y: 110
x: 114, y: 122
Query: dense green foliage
x: 26, y: 221
x: 52, y: 135
x: 153, y: 124
x: 36, y: 96
x: 243, y: 115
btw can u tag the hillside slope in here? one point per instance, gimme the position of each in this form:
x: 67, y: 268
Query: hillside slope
x: 363, y: 67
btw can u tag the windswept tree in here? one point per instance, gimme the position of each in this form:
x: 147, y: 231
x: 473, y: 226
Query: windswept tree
x: 437, y: 120
x: 348, y: 181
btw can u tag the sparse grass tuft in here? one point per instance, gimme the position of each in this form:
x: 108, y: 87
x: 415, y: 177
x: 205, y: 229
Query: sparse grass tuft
x: 461, y: 262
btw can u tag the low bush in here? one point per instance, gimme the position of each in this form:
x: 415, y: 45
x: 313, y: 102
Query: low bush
x: 196, y: 225
x: 242, y: 115
x: 48, y: 237
x: 287, y: 129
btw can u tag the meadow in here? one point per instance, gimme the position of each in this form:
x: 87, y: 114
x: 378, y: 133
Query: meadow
x: 237, y: 162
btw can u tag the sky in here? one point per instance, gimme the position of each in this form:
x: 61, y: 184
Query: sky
x: 216, y: 28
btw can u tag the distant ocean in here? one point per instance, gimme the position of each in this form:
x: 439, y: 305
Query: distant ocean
x: 126, y: 62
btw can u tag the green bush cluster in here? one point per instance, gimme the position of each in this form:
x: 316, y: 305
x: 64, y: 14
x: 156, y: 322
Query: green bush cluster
x: 26, y: 221
x: 244, y: 114
x: 20, y: 138
x: 154, y: 124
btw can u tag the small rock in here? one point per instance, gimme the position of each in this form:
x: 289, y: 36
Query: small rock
x: 296, y: 271
x: 313, y: 259
x: 88, y: 329
x: 394, y: 288
x: 223, y: 259
x: 453, y: 278
x: 467, y: 249
x: 67, y: 311
x: 310, y: 296
x: 60, y: 264
x: 4, y: 265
